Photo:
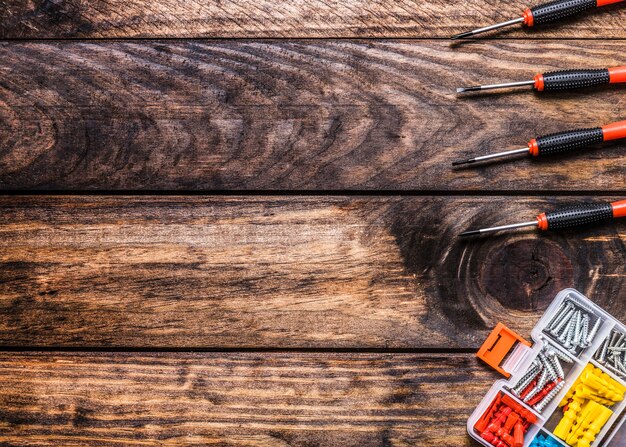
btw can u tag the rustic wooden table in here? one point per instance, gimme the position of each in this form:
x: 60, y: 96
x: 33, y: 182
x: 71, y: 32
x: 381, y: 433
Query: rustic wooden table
x: 234, y: 222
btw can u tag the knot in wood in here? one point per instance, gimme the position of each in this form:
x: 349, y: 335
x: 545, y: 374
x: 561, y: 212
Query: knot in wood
x: 525, y: 274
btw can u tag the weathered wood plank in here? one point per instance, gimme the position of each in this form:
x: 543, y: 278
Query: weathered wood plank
x: 293, y: 115
x: 287, y: 272
x: 238, y: 399
x: 289, y: 18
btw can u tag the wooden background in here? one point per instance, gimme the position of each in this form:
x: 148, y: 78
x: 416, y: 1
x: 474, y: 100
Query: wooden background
x: 234, y: 222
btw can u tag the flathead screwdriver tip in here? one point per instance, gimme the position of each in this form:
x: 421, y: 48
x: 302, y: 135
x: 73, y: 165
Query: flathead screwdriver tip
x: 470, y: 233
x: 462, y: 35
x: 463, y: 162
x: 473, y: 88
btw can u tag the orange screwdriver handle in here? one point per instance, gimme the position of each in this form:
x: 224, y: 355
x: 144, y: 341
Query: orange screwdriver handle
x: 619, y: 208
x: 571, y: 79
x: 581, y: 215
x: 617, y: 75
x: 560, y: 9
x: 615, y: 131
x: 576, y: 139
x: 560, y: 142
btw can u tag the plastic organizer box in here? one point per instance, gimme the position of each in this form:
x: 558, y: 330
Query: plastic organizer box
x: 564, y: 389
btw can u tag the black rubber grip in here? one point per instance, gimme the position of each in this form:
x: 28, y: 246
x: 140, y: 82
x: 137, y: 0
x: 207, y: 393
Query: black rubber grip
x: 560, y: 9
x: 568, y: 141
x: 568, y: 79
x: 579, y: 215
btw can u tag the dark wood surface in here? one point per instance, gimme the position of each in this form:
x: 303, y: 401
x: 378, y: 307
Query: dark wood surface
x: 303, y: 115
x: 284, y: 19
x: 299, y: 272
x: 238, y: 399
x: 235, y: 224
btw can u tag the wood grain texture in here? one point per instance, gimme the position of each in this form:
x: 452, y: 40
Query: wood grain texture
x: 299, y: 272
x: 293, y: 115
x: 252, y: 400
x: 288, y: 18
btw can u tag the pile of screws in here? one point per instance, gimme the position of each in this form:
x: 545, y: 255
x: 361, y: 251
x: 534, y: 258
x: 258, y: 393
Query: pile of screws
x: 544, y: 379
x: 505, y: 422
x: 570, y: 326
x: 612, y: 353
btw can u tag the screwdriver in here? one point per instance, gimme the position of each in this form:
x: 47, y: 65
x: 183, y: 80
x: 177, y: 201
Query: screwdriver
x: 562, y: 80
x: 546, y: 13
x: 565, y: 217
x: 560, y: 142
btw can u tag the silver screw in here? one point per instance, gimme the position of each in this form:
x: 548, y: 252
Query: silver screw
x: 604, y: 343
x: 566, y: 330
x: 582, y: 339
x: 577, y: 329
x: 560, y: 315
x: 543, y: 378
x: 527, y: 378
x: 614, y: 336
x: 614, y: 370
x: 582, y: 306
x: 612, y: 353
x: 555, y: 363
x: 549, y: 397
x: 603, y: 352
x: 552, y: 374
x: 594, y: 331
x: 562, y: 355
x: 571, y: 330
x: 563, y: 323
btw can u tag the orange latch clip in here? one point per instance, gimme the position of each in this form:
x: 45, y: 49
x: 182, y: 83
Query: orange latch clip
x: 497, y: 346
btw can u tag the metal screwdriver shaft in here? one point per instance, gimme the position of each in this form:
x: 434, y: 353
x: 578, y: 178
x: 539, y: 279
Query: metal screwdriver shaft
x: 487, y: 28
x: 523, y: 150
x: 476, y: 88
x: 500, y: 228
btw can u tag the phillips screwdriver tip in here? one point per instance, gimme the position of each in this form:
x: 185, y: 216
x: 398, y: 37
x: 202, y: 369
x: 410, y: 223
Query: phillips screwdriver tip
x: 463, y: 162
x: 470, y: 233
